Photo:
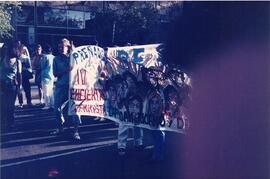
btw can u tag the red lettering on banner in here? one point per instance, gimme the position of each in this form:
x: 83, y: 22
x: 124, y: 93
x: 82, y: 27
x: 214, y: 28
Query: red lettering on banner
x: 77, y: 77
x: 74, y: 94
x: 83, y: 76
x: 80, y: 77
x: 82, y: 94
x: 86, y: 94
x: 93, y: 109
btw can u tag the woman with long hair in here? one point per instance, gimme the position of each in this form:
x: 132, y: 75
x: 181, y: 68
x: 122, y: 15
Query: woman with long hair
x: 26, y: 76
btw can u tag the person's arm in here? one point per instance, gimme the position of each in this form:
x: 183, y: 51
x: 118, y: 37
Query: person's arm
x: 19, y: 74
x: 27, y: 52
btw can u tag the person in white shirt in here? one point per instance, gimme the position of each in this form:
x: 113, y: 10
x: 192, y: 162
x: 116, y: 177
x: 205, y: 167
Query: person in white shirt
x: 47, y: 78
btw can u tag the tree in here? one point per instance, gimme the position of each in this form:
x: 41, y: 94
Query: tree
x: 7, y: 9
x: 134, y: 23
x: 103, y: 26
x: 137, y: 25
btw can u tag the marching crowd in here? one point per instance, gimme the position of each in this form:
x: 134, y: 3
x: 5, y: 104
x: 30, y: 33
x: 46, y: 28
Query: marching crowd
x: 157, y: 91
x: 51, y: 76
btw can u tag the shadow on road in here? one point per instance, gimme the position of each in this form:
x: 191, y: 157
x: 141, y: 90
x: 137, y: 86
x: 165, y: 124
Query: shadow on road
x: 31, y: 152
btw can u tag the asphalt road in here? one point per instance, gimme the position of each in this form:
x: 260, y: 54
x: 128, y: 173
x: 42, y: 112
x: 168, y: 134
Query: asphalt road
x: 30, y: 152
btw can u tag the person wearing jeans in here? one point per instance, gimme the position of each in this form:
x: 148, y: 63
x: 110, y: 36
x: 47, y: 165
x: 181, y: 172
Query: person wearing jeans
x: 26, y: 76
x: 134, y: 108
x: 155, y: 107
x: 123, y: 136
x: 61, y: 69
x: 126, y: 90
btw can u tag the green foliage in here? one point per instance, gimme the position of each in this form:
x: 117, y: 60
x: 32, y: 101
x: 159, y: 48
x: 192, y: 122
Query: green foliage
x: 7, y: 10
x: 103, y: 24
x: 133, y: 24
x: 137, y: 25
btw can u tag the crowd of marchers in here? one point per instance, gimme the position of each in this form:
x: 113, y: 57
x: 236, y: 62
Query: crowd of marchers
x: 165, y: 91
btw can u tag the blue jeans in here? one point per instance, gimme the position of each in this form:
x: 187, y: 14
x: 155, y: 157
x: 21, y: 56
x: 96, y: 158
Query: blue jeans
x: 159, y: 145
x: 60, y: 97
x: 123, y: 136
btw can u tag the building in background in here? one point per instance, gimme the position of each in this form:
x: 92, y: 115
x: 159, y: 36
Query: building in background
x: 49, y: 21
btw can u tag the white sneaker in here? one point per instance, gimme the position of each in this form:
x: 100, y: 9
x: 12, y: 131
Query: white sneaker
x: 102, y: 119
x: 45, y: 108
x: 76, y: 136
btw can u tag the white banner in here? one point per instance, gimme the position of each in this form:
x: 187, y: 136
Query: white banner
x: 85, y: 93
x: 111, y: 86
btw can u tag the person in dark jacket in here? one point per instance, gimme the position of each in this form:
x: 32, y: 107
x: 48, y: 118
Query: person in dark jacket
x: 61, y: 69
x: 10, y: 79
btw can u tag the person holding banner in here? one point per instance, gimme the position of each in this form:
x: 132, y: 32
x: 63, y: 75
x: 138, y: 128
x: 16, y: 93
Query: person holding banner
x: 130, y: 90
x: 178, y: 97
x: 111, y: 97
x: 155, y: 108
x: 61, y: 69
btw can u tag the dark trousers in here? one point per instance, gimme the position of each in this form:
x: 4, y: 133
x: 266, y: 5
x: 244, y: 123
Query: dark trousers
x: 27, y: 89
x: 159, y: 145
x: 60, y: 97
x: 8, y: 97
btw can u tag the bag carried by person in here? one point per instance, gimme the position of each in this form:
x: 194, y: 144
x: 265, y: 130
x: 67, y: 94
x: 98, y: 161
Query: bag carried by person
x: 27, y: 74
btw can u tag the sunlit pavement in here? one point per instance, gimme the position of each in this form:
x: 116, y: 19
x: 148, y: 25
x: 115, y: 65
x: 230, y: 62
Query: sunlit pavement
x: 30, y: 151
